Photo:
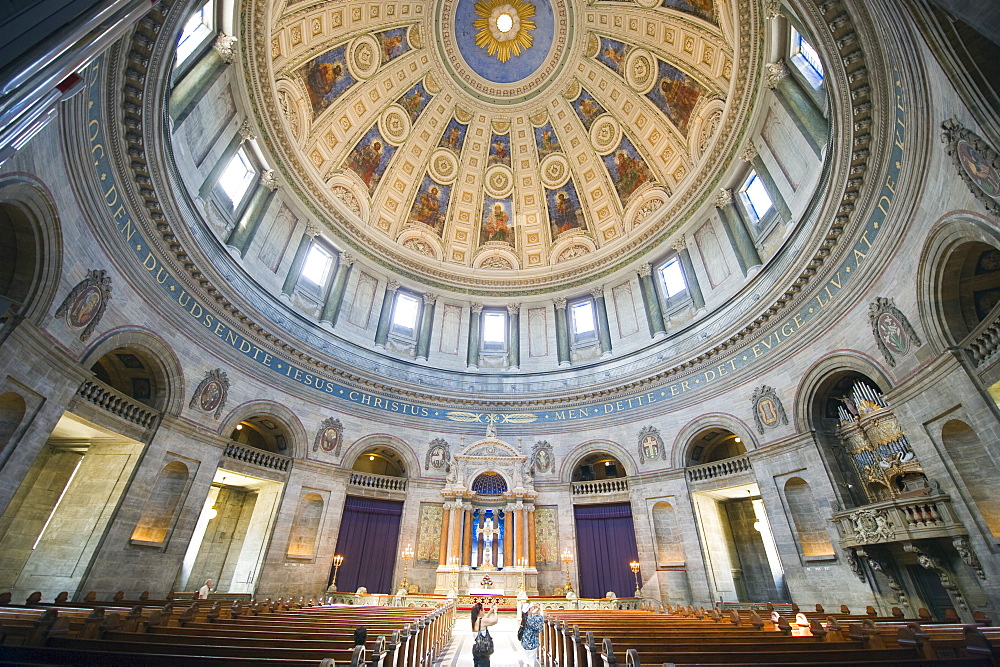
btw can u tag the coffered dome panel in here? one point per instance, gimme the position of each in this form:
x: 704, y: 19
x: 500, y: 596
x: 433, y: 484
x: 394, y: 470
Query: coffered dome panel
x: 501, y: 128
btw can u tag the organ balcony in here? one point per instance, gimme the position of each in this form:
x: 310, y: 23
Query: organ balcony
x: 898, y: 520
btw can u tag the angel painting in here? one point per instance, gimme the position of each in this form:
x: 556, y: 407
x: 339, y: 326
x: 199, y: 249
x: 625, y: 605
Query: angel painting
x: 326, y: 77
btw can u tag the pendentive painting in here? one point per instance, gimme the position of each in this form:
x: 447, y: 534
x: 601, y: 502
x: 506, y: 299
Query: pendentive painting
x: 587, y: 108
x: 454, y: 136
x: 703, y: 9
x: 326, y: 77
x: 547, y: 141
x: 370, y: 157
x: 612, y: 53
x: 414, y: 101
x: 565, y: 212
x: 499, y: 150
x: 431, y: 204
x: 676, y: 94
x: 498, y: 221
x: 393, y: 43
x: 627, y: 168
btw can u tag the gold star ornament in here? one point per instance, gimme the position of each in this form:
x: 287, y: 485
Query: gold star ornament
x: 504, y: 27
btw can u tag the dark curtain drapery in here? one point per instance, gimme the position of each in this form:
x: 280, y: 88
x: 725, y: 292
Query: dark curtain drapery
x: 369, y: 530
x: 605, y: 539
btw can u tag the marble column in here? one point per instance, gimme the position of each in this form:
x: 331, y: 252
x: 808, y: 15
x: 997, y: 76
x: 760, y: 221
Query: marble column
x: 601, y: 313
x: 799, y: 104
x: 426, y: 325
x: 519, y: 535
x: 651, y: 301
x: 514, y: 335
x: 750, y: 155
x: 736, y: 231
x: 243, y: 134
x: 331, y: 308
x: 562, y: 332
x: 187, y: 92
x: 382, y: 331
x: 467, y: 547
x: 246, y: 229
x: 445, y: 525
x: 457, y: 519
x: 531, y: 536
x: 508, y: 537
x: 292, y: 277
x: 475, y: 317
x: 694, y: 287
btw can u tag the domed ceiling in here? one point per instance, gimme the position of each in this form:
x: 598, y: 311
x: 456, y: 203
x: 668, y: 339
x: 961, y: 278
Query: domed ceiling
x: 501, y: 146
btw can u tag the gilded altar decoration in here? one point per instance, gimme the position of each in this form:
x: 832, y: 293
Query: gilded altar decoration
x: 893, y: 332
x: 84, y: 307
x: 651, y: 445
x: 330, y: 436
x: 504, y: 27
x: 438, y: 455
x: 211, y: 393
x: 767, y: 408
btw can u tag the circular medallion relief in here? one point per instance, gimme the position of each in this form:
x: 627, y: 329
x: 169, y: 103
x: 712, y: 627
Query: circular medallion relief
x: 499, y: 181
x: 211, y: 396
x: 394, y: 124
x: 554, y: 170
x: 640, y: 70
x: 605, y: 134
x: 978, y: 169
x: 365, y: 57
x: 444, y: 166
x: 85, y: 307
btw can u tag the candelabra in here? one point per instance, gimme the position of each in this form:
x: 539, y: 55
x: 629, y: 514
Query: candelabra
x: 454, y: 562
x: 338, y: 560
x: 567, y: 558
x: 522, y: 564
x: 635, y: 571
x: 407, y: 557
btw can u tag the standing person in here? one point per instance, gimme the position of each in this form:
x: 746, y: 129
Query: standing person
x: 205, y: 590
x: 532, y: 627
x: 482, y: 642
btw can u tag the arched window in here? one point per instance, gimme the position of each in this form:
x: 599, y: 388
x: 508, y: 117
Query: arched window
x: 809, y: 521
x: 305, y: 527
x: 158, y: 514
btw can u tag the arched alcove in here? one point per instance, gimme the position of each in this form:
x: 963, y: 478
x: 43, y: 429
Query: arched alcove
x: 489, y: 484
x: 263, y: 432
x: 976, y: 468
x: 305, y: 527
x: 714, y: 444
x: 139, y: 365
x: 814, y: 541
x: 380, y: 460
x: 596, y: 466
x: 970, y: 287
x: 158, y: 514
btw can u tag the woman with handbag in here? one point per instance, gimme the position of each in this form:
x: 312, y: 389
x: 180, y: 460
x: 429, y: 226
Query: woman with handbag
x: 482, y: 643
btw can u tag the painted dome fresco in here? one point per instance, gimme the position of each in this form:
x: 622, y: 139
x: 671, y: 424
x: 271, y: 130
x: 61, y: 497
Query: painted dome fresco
x: 501, y: 145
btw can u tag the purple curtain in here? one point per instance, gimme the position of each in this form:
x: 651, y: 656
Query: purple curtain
x: 605, y: 543
x: 369, y: 531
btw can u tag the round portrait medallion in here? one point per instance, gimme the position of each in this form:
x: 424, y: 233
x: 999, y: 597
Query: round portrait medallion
x: 85, y: 307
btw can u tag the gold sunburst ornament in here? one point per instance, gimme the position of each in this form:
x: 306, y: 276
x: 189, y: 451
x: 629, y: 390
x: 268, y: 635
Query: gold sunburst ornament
x: 504, y: 27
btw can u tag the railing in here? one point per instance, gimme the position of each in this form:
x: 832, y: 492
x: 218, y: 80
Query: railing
x: 898, y: 520
x: 257, y: 457
x: 984, y: 339
x: 601, y: 486
x: 719, y: 468
x: 113, y: 401
x: 372, y: 481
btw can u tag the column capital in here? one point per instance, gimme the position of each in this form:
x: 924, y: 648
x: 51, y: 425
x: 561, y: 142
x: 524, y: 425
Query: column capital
x: 312, y: 229
x: 513, y: 308
x: 346, y: 258
x: 476, y: 307
x: 246, y: 130
x: 772, y: 9
x: 724, y: 198
x: 646, y: 270
x: 225, y: 45
x: 268, y: 180
x: 679, y: 243
x: 749, y: 152
x: 597, y: 292
x: 391, y: 285
x: 774, y: 73
x: 430, y: 298
x: 560, y: 303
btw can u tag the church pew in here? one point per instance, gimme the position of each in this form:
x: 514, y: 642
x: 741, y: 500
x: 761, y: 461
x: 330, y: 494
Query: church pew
x: 73, y: 656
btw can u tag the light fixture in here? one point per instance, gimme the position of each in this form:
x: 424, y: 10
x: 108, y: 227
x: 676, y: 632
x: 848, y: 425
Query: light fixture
x: 239, y: 427
x: 371, y: 458
x: 738, y: 439
x: 607, y: 463
x: 505, y: 22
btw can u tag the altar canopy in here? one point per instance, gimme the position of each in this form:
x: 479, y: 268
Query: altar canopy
x: 605, y: 546
x: 369, y: 531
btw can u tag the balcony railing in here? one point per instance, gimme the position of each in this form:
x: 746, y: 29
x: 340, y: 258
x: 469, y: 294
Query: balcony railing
x: 984, y: 340
x: 716, y: 469
x: 600, y: 486
x: 113, y: 401
x: 898, y: 520
x: 382, y: 482
x: 257, y: 457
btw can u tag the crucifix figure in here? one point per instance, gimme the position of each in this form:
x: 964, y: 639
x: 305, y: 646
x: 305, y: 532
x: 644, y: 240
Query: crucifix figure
x: 488, y: 531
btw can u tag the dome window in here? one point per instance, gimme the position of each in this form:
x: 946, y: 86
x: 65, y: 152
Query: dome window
x: 316, y: 268
x: 672, y: 278
x: 404, y: 314
x: 494, y: 331
x: 806, y: 60
x: 584, y: 323
x: 196, y: 32
x: 755, y: 198
x: 237, y: 178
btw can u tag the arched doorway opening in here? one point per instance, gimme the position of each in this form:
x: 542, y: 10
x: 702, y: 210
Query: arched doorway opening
x: 598, y: 466
x: 380, y: 460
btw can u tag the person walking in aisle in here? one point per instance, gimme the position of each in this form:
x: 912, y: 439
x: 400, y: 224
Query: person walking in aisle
x: 482, y: 643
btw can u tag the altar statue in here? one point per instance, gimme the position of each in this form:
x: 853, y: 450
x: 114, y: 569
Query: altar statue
x: 488, y: 531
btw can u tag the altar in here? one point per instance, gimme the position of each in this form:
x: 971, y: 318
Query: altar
x: 487, y: 592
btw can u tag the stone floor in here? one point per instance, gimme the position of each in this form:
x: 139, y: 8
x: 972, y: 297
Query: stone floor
x: 507, y: 650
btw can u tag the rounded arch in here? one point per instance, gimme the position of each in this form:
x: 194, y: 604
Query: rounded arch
x: 589, y: 447
x: 396, y: 444
x: 824, y: 373
x: 686, y: 438
x: 31, y: 255
x: 262, y: 413
x: 943, y: 260
x: 149, y: 350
